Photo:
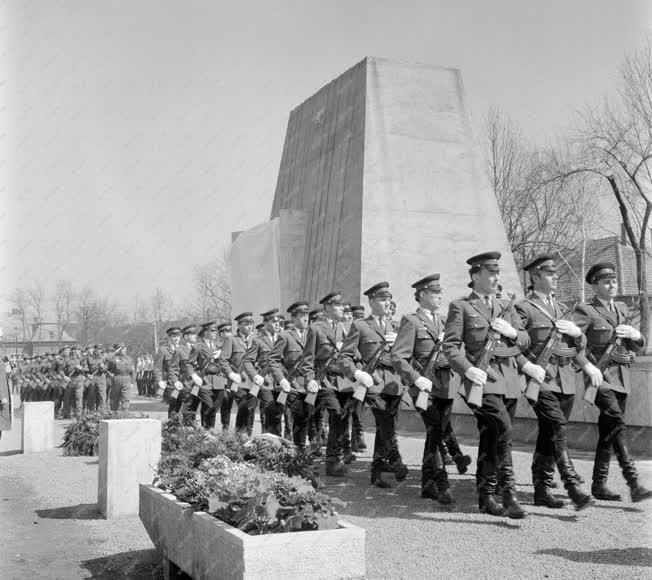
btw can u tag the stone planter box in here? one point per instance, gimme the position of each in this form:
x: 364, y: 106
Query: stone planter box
x: 205, y: 547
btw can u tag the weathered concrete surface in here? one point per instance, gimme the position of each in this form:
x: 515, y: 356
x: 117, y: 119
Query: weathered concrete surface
x: 207, y: 548
x: 38, y: 427
x: 129, y: 452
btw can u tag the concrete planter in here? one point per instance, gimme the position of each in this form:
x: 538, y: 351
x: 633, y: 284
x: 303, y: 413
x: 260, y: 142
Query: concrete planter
x: 207, y: 548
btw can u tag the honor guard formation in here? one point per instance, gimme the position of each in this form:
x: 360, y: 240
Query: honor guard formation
x: 310, y: 375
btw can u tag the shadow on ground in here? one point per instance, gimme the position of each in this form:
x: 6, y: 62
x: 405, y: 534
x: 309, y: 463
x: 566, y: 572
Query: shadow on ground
x: 619, y: 556
x: 82, y: 511
x: 134, y: 564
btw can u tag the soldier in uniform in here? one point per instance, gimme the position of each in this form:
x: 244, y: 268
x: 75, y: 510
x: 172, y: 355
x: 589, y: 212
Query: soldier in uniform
x: 195, y: 392
x: 284, y: 360
x: 208, y: 368
x: 347, y: 317
x: 166, y: 371
x: 225, y: 330
x: 97, y: 374
x: 418, y: 342
x: 315, y: 315
x: 75, y: 389
x: 543, y: 317
x: 122, y: 368
x: 232, y: 357
x: 468, y: 326
x: 257, y: 369
x: 603, y: 320
x: 334, y: 392
x: 370, y: 339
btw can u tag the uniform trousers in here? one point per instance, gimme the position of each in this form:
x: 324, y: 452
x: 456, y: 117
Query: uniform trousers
x: 246, y: 409
x: 226, y: 408
x: 385, y: 410
x: 337, y: 405
x: 495, y: 446
x: 611, y: 420
x: 301, y: 412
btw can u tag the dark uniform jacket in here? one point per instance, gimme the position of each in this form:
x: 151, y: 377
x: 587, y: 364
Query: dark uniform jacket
x: 96, y: 367
x: 256, y: 359
x: 468, y: 325
x: 539, y: 322
x: 322, y: 340
x: 166, y: 365
x: 208, y: 366
x: 187, y: 363
x: 285, y: 356
x: 599, y: 324
x: 415, y: 342
x: 362, y: 342
x: 232, y: 357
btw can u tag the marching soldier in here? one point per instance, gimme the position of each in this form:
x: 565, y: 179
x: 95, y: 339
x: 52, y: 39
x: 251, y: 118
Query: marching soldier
x: 357, y: 312
x: 315, y: 315
x: 612, y: 343
x: 371, y: 340
x: 121, y: 366
x: 472, y: 321
x: 75, y: 389
x: 417, y: 357
x: 195, y: 392
x: 209, y: 370
x: 284, y: 361
x: 231, y: 362
x: 166, y: 371
x: 224, y: 330
x: 96, y: 372
x: 544, y: 319
x: 324, y: 378
x: 257, y: 369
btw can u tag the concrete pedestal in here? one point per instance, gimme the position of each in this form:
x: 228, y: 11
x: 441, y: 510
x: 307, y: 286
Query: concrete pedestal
x: 38, y: 427
x: 129, y: 452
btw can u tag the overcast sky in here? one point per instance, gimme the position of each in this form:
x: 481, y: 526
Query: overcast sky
x: 141, y: 133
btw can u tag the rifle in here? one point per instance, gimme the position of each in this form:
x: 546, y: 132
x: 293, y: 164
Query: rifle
x: 289, y: 375
x: 370, y: 369
x: 533, y: 387
x: 602, y: 364
x: 321, y: 374
x: 429, y: 373
x: 474, y: 398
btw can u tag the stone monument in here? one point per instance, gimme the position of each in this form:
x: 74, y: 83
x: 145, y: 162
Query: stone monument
x: 380, y: 179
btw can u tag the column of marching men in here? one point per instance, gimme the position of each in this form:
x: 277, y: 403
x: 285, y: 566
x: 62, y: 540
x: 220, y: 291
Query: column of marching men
x: 310, y: 375
x: 81, y: 380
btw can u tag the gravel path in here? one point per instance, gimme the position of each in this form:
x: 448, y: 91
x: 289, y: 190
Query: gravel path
x: 51, y: 527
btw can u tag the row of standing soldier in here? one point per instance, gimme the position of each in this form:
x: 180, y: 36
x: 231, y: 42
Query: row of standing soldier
x: 495, y: 350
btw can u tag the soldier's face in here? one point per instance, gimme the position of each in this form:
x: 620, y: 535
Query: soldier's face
x: 175, y: 339
x: 212, y: 335
x: 191, y: 338
x: 545, y: 281
x: 348, y: 316
x: 273, y: 326
x: 246, y: 328
x: 335, y: 311
x: 380, y: 306
x: 431, y: 300
x: 300, y: 321
x: 225, y: 333
x: 486, y: 280
x: 606, y: 288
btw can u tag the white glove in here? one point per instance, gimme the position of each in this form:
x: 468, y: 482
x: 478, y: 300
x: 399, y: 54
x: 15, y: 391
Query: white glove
x: 390, y: 337
x: 594, y: 374
x: 162, y: 384
x: 178, y: 385
x: 260, y: 381
x: 626, y: 331
x: 568, y: 327
x: 313, y: 386
x: 285, y: 385
x: 476, y: 376
x: 537, y: 372
x: 216, y: 354
x: 423, y: 384
x: 441, y: 336
x: 235, y: 377
x: 364, y: 378
x: 504, y: 327
x: 196, y: 379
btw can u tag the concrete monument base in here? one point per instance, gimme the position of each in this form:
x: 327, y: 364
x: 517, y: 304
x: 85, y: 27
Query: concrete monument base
x: 207, y: 548
x: 129, y: 452
x: 38, y: 427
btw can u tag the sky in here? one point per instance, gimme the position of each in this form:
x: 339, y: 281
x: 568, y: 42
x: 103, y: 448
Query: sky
x: 138, y: 135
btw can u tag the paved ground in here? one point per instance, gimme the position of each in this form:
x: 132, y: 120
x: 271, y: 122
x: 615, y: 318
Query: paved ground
x: 51, y: 528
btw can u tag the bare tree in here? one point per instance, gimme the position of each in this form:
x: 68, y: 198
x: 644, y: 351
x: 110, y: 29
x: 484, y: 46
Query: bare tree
x: 19, y: 300
x: 63, y: 305
x: 614, y: 144
x: 213, y: 288
x: 536, y: 210
x: 35, y: 297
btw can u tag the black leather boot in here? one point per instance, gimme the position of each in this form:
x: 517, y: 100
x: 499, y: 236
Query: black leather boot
x: 462, y: 462
x: 488, y: 505
x: 638, y: 492
x: 512, y: 508
x: 599, y: 487
x: 577, y: 495
x: 543, y: 497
